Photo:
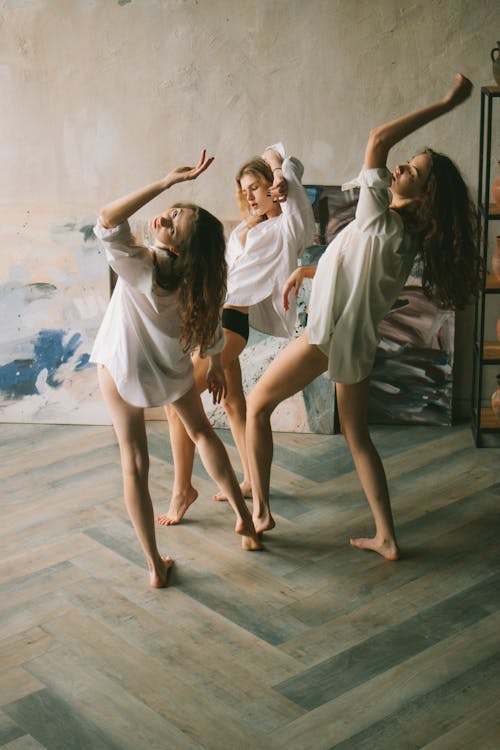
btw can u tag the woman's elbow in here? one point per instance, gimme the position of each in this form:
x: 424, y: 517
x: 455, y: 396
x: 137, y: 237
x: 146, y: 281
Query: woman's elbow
x: 377, y: 149
x: 375, y: 139
x: 105, y: 219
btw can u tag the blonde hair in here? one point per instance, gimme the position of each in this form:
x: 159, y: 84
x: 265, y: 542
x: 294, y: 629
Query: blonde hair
x: 259, y: 168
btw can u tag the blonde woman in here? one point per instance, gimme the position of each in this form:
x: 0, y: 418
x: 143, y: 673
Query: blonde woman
x: 262, y: 251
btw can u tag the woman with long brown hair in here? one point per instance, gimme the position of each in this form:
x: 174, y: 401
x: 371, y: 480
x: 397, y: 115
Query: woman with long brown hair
x: 422, y: 207
x: 166, y: 302
x: 277, y: 224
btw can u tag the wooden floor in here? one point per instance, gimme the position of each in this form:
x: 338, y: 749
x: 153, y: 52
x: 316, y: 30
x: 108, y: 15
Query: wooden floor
x: 308, y: 645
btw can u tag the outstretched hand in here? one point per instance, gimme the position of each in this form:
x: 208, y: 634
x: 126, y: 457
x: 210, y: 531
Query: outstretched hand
x: 182, y: 174
x: 459, y: 92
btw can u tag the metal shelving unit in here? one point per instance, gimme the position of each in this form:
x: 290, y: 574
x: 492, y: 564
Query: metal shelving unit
x: 485, y: 352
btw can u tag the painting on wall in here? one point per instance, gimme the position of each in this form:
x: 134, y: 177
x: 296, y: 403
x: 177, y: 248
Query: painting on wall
x: 54, y: 288
x: 53, y: 293
x: 311, y: 410
x: 412, y: 379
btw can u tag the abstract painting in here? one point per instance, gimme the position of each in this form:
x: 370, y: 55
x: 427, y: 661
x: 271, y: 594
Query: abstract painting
x: 311, y: 410
x: 54, y: 288
x: 53, y: 292
x: 412, y: 380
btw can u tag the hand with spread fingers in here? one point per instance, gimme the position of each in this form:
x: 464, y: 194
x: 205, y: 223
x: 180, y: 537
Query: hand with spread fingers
x: 182, y: 174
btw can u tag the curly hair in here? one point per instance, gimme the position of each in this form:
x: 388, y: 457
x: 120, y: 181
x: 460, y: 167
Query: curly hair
x: 447, y: 222
x: 258, y: 167
x: 199, y: 274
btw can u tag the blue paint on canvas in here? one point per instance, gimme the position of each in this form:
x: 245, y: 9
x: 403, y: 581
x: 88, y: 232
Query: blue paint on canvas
x: 19, y: 377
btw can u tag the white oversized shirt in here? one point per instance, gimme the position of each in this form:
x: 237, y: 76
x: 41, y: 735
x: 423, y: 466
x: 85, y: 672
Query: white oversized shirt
x: 358, y: 278
x: 138, y: 340
x: 258, y: 269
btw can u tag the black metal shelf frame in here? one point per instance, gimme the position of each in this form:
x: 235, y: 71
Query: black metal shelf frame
x: 487, y: 215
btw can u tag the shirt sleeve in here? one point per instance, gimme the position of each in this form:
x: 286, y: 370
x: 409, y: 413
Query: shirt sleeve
x: 374, y: 198
x: 297, y: 209
x: 128, y: 258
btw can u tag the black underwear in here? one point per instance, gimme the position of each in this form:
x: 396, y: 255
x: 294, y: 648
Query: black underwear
x: 236, y: 321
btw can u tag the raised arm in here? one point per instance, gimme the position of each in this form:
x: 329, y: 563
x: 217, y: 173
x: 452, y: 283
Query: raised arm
x: 384, y: 137
x: 120, y: 210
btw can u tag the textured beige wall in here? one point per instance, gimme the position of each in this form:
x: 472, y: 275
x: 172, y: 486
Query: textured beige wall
x: 101, y: 95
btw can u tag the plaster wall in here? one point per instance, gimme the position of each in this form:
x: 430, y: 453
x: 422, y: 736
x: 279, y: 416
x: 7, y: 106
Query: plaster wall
x: 101, y: 96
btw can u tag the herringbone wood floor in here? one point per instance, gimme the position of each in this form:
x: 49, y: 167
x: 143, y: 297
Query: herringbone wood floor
x: 309, y: 644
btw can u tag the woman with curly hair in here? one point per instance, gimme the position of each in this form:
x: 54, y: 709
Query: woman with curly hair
x: 277, y: 224
x: 428, y: 211
x: 166, y: 302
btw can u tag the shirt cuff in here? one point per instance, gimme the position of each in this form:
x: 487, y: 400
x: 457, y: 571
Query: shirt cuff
x: 374, y: 177
x: 277, y: 147
x: 111, y: 233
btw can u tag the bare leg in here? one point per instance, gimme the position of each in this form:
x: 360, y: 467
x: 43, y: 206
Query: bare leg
x: 215, y: 459
x: 295, y: 366
x: 130, y: 430
x: 183, y: 492
x: 236, y: 409
x: 352, y: 402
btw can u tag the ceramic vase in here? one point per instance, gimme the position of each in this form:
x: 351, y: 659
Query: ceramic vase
x: 495, y: 53
x: 495, y: 188
x: 495, y: 261
x: 495, y: 399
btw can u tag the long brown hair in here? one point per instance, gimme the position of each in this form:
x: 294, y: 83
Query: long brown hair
x: 258, y: 167
x: 448, y: 224
x: 199, y: 274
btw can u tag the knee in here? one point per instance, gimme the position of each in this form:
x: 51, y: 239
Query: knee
x: 257, y: 408
x: 201, y: 432
x: 172, y: 415
x: 135, y: 462
x: 234, y: 405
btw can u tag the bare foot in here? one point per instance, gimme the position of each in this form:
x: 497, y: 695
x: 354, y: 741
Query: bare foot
x: 265, y: 522
x: 387, y: 548
x: 158, y: 574
x: 246, y: 491
x: 178, y: 506
x: 251, y: 543
x: 249, y: 538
